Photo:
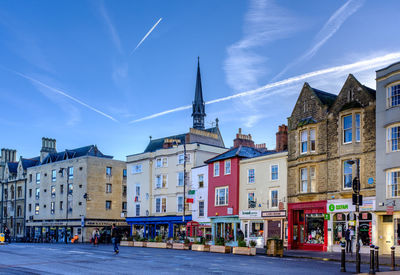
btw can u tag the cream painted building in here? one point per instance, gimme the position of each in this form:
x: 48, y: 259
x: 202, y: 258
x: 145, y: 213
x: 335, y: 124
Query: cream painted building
x: 263, y: 197
x: 156, y: 180
x: 74, y: 192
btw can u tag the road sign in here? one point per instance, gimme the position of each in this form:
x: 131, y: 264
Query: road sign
x: 370, y: 180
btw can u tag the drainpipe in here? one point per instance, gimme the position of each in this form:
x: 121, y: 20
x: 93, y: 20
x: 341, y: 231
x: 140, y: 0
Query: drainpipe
x: 15, y: 210
x: 25, y: 208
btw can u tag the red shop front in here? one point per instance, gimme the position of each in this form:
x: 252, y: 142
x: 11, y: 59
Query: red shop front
x: 308, y: 229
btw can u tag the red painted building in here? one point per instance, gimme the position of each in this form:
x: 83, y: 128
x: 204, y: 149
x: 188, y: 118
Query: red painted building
x: 308, y: 229
x: 223, y: 191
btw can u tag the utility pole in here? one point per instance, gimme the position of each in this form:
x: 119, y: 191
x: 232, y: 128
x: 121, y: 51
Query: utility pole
x: 184, y: 180
x: 358, y: 197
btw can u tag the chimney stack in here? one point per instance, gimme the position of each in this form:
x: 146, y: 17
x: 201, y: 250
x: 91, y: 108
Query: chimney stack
x: 282, y: 138
x: 243, y: 140
x: 48, y: 146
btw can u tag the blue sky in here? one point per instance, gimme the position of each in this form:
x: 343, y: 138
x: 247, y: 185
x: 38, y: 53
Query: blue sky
x: 69, y: 71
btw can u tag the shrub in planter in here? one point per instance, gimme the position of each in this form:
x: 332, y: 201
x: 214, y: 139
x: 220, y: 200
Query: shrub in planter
x: 220, y: 241
x: 242, y: 243
x: 158, y: 239
x: 252, y: 243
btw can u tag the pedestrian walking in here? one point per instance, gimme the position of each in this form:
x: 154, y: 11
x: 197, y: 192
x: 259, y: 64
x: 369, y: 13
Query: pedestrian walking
x: 95, y: 237
x: 347, y: 236
x: 114, y: 238
x: 7, y: 234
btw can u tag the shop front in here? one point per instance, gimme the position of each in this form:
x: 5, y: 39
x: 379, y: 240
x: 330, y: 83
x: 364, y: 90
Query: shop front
x: 388, y: 230
x: 225, y: 227
x: 164, y: 226
x: 307, y: 226
x: 252, y: 226
x: 275, y: 225
x: 341, y: 215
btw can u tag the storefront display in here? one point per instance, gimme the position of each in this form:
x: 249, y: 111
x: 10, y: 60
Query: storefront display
x: 307, y: 226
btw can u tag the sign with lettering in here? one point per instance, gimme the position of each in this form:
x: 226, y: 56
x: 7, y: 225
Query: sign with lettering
x: 389, y: 210
x: 273, y: 214
x: 250, y: 214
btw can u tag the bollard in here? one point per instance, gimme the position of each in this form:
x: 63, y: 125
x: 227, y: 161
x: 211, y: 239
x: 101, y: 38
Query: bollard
x: 393, y: 259
x: 377, y: 258
x: 371, y: 260
x: 343, y: 258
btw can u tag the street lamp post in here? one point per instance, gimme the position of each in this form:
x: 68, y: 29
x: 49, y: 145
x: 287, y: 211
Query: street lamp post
x: 356, y: 190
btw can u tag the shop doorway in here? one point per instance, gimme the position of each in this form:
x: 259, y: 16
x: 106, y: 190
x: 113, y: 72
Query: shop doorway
x: 308, y: 230
x: 385, y: 233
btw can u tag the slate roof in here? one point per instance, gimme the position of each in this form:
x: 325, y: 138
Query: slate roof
x: 326, y: 98
x: 90, y: 150
x: 372, y: 92
x: 241, y: 152
x: 26, y: 163
x: 157, y: 144
x: 12, y: 167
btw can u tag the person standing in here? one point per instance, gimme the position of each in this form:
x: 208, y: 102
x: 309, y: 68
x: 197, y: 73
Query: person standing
x: 347, y: 236
x: 7, y: 234
x: 114, y: 238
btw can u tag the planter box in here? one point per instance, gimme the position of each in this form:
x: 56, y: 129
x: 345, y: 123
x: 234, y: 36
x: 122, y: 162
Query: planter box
x: 126, y: 243
x: 180, y: 246
x: 250, y: 251
x: 139, y: 244
x: 158, y: 245
x: 275, y: 248
x: 201, y: 247
x: 220, y: 249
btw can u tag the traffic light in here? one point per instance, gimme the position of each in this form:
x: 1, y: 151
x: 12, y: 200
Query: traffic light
x: 356, y: 185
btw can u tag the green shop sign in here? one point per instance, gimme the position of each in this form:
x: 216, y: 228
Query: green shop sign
x: 333, y: 207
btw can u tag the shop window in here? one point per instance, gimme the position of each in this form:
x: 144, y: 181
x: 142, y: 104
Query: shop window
x: 274, y: 172
x: 251, y: 201
x: 257, y: 229
x: 314, y: 228
x: 227, y: 167
x: 216, y: 169
x: 201, y: 181
x: 339, y: 227
x: 201, y: 208
x: 251, y: 176
x: 393, y: 182
x: 221, y: 196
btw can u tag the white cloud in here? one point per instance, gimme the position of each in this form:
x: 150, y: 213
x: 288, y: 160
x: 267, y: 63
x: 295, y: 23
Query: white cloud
x: 328, y: 73
x: 113, y: 32
x: 328, y: 30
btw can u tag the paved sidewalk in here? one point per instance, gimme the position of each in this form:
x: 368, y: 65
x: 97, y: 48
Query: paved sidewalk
x: 333, y: 256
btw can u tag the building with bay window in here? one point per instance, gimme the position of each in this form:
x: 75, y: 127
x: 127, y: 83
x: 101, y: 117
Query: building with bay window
x: 158, y: 181
x: 325, y: 132
x: 388, y: 156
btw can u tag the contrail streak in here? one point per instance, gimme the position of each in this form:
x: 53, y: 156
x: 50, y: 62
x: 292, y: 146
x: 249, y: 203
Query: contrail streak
x: 147, y: 34
x: 363, y: 65
x: 55, y: 90
x: 328, y: 30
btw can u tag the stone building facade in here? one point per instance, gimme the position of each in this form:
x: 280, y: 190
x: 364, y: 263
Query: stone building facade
x: 72, y: 192
x: 325, y: 132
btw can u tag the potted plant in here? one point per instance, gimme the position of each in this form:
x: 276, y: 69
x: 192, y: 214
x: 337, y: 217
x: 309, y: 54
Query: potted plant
x: 201, y: 246
x: 220, y: 246
x: 275, y: 247
x: 141, y: 242
x: 127, y: 242
x: 243, y: 249
x: 185, y: 245
x: 157, y: 243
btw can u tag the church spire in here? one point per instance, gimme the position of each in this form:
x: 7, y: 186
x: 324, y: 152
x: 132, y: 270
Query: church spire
x: 198, y: 104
